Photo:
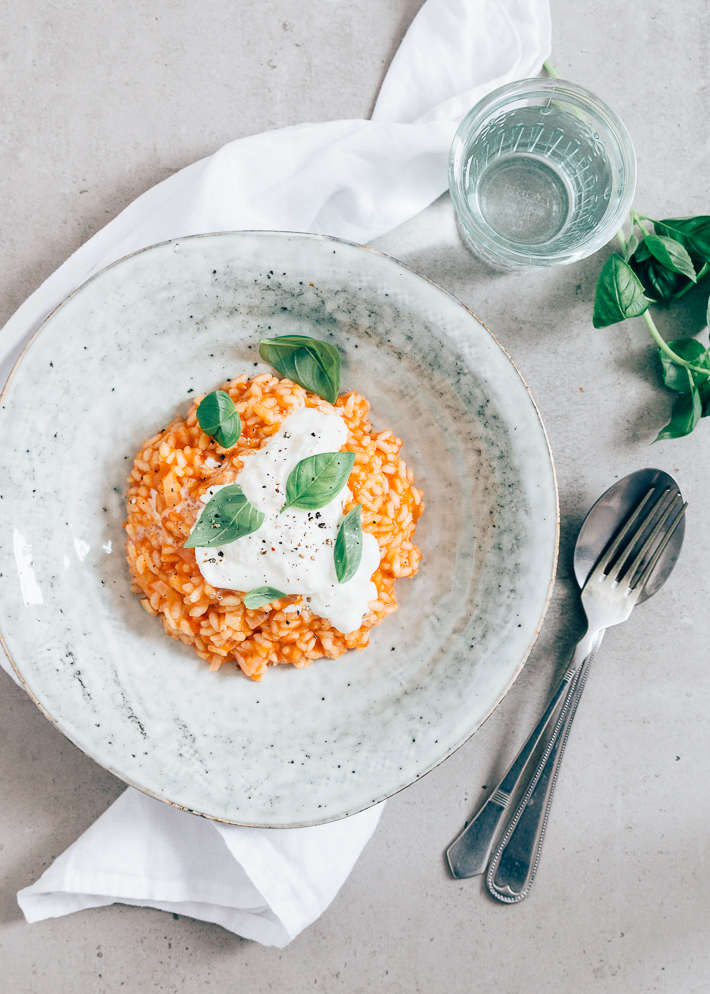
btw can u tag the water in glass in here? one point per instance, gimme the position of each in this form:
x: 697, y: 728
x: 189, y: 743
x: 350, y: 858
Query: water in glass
x: 538, y: 176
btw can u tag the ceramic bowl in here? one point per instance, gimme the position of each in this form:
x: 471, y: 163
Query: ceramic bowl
x: 121, y: 357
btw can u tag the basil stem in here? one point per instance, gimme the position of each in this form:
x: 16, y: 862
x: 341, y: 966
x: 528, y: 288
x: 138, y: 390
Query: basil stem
x: 663, y: 345
x: 675, y: 377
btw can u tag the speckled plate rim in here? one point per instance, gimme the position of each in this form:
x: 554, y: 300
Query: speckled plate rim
x: 555, y: 556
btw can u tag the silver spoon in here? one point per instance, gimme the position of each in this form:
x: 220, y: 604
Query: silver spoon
x: 512, y: 870
x: 468, y: 854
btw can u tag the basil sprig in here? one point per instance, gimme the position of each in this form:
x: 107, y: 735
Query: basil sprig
x: 313, y: 364
x: 227, y: 517
x: 316, y: 480
x: 659, y: 267
x: 219, y: 418
x: 693, y: 401
x: 347, y: 552
x: 262, y: 595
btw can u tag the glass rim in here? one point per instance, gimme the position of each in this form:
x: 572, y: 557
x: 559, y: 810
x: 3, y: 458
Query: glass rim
x: 600, y: 111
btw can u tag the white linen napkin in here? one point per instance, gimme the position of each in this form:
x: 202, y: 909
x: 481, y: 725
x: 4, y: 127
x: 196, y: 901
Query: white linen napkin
x: 353, y: 179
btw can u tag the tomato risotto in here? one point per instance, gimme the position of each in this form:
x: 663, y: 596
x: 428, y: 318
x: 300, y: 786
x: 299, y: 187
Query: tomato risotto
x: 167, y: 491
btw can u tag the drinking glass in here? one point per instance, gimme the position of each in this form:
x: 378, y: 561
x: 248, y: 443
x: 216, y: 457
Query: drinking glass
x: 541, y: 173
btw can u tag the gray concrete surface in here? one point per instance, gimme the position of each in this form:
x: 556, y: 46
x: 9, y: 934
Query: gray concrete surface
x: 98, y: 102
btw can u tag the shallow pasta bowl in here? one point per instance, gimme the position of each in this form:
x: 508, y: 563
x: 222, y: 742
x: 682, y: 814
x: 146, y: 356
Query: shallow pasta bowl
x: 120, y: 358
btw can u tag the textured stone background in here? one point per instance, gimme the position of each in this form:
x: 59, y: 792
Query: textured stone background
x: 100, y: 101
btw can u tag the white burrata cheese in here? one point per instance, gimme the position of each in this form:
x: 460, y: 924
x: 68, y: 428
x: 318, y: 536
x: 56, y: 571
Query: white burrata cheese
x: 293, y: 551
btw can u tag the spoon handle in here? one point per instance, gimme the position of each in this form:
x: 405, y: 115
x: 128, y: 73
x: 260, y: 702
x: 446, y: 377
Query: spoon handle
x: 468, y: 854
x: 512, y: 870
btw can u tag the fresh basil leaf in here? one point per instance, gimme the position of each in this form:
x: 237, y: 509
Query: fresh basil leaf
x: 348, y: 545
x: 693, y: 233
x: 262, y: 595
x: 641, y: 252
x: 314, y: 376
x: 659, y: 284
x: 281, y: 355
x: 219, y: 418
x: 676, y: 377
x: 227, y: 517
x: 686, y: 413
x: 316, y: 480
x: 704, y: 391
x: 310, y: 362
x: 631, y: 246
x: 671, y: 254
x: 618, y: 295
x: 663, y: 283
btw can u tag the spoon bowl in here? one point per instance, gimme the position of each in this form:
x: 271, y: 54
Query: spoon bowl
x: 608, y: 515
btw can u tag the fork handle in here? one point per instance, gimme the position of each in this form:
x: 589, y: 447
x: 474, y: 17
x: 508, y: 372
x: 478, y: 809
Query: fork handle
x: 512, y: 870
x: 468, y: 854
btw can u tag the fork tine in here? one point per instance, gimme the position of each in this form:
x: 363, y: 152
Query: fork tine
x: 611, y: 550
x: 651, y: 565
x: 648, y: 544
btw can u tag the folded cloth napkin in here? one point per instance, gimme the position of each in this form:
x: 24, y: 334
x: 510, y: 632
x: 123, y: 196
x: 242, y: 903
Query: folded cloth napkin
x: 352, y: 179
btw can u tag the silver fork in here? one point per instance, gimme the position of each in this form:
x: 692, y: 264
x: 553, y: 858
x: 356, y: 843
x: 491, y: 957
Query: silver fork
x: 609, y: 596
